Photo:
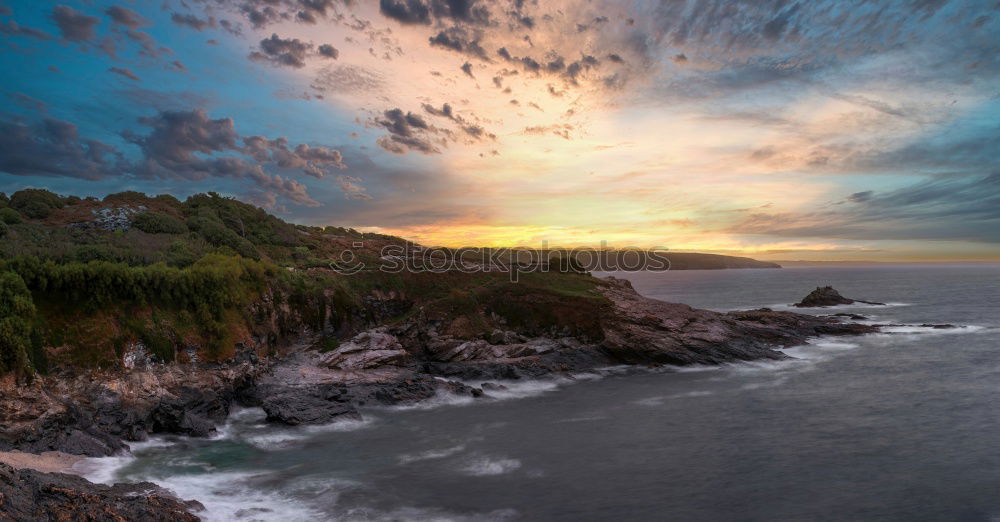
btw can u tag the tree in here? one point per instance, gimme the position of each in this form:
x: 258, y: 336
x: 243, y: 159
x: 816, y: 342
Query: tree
x: 17, y: 310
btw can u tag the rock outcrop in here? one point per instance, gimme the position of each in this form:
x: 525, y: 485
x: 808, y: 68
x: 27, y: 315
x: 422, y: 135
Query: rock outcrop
x: 398, y: 362
x: 827, y: 296
x: 27, y: 495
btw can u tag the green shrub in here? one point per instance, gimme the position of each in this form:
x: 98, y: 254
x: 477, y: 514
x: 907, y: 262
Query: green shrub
x: 126, y: 196
x: 218, y: 235
x: 35, y: 203
x: 10, y: 216
x: 3, y: 229
x: 158, y: 223
x: 36, y: 210
x: 72, y: 200
x: 17, y: 311
x: 4, y: 200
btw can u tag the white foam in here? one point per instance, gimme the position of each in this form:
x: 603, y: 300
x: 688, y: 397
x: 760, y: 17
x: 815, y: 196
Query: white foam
x: 231, y: 496
x: 523, y: 389
x: 438, y: 400
x: 407, y: 458
x: 102, y: 470
x: 486, y: 466
x: 923, y: 330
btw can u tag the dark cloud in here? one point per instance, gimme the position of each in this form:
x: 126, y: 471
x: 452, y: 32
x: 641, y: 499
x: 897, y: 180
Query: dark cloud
x: 313, y: 161
x: 74, y: 25
x: 861, y: 197
x: 53, y: 148
x: 472, y: 130
x: 420, y: 12
x: 406, y: 11
x: 12, y: 28
x: 467, y: 69
x: 192, y: 21
x: 328, y: 51
x: 461, y: 40
x: 126, y: 17
x: 175, y: 147
x: 124, y: 72
x: 407, y: 132
x: 291, y: 51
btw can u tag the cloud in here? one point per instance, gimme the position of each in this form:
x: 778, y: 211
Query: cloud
x: 12, y: 28
x: 74, y: 25
x: 283, y: 51
x: 179, y: 141
x: 938, y: 208
x: 192, y: 21
x: 467, y: 69
x: 347, y: 79
x: 126, y: 17
x: 124, y: 72
x: 314, y: 161
x: 53, y: 147
x: 328, y: 51
x: 406, y: 11
x: 461, y: 40
x: 351, y: 187
x: 407, y: 132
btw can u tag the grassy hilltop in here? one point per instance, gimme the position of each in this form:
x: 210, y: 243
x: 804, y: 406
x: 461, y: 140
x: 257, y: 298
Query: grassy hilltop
x: 83, y: 281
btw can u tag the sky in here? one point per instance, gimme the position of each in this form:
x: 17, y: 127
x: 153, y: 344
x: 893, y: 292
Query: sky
x: 775, y: 129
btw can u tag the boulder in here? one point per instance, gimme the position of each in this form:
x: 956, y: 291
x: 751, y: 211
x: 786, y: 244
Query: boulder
x: 31, y: 495
x: 828, y: 296
x: 369, y: 349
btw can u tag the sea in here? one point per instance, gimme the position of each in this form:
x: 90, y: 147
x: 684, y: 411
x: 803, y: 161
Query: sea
x: 900, y: 425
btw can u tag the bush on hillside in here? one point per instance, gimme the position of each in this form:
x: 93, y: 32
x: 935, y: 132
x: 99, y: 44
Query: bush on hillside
x: 3, y: 229
x: 10, y: 216
x: 127, y: 196
x: 4, y: 200
x: 35, y: 203
x: 158, y: 223
x: 17, y: 311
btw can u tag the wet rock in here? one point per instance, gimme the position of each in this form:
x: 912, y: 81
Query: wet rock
x: 311, y: 405
x: 369, y: 349
x: 828, y: 296
x: 27, y: 495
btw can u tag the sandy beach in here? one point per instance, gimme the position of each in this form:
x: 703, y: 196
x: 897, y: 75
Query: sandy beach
x: 48, y: 462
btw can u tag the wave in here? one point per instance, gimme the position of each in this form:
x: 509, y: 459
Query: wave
x: 407, y: 458
x: 660, y: 399
x: 249, y: 426
x: 487, y: 466
x: 232, y: 496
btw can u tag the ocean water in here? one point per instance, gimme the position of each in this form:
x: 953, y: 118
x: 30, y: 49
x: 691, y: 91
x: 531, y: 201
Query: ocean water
x: 894, y: 426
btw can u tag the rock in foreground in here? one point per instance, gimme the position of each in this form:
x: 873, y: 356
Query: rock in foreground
x: 828, y: 296
x: 27, y: 495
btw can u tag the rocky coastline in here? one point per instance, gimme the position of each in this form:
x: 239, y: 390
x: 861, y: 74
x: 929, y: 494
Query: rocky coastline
x: 100, y: 412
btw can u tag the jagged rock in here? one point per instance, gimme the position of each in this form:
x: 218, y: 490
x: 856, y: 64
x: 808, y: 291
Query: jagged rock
x: 27, y: 495
x: 369, y: 349
x: 307, y: 405
x: 112, y: 219
x: 827, y: 296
